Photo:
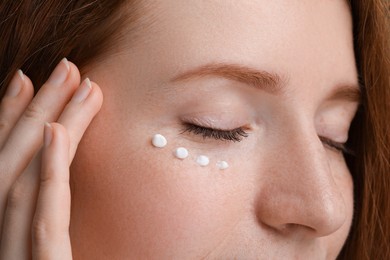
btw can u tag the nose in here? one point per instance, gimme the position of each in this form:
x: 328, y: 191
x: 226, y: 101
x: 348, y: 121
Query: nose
x: 298, y: 192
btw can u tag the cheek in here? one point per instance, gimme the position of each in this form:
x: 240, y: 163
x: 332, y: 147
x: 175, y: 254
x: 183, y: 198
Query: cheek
x: 132, y: 199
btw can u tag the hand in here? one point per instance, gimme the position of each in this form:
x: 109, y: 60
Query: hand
x: 35, y: 159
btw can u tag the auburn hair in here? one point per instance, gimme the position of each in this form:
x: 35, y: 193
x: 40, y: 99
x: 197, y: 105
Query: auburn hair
x: 36, y: 34
x: 369, y: 237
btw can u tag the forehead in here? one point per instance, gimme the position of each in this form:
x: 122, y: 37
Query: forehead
x: 295, y: 37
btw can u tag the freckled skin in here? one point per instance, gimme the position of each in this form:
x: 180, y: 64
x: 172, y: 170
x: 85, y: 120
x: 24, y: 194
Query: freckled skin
x: 285, y: 195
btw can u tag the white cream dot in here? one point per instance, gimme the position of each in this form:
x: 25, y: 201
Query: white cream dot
x: 181, y: 153
x: 222, y: 165
x: 202, y: 160
x: 159, y: 141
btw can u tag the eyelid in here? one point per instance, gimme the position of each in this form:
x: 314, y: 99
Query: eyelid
x: 237, y: 134
x: 234, y: 135
x: 224, y: 121
x: 338, y: 147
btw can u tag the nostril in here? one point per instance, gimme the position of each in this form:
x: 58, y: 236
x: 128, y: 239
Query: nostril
x: 296, y: 230
x: 293, y: 226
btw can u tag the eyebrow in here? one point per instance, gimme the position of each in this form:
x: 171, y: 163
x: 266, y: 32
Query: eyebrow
x: 272, y: 83
x: 347, y: 92
x: 266, y: 81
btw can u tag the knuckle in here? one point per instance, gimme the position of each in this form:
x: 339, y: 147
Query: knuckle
x: 5, y: 114
x: 34, y: 111
x: 3, y: 124
x: 48, y: 176
x: 43, y: 230
x: 16, y: 196
x: 40, y: 230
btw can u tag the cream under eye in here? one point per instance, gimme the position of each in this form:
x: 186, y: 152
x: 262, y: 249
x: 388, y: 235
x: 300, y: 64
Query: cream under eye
x: 234, y: 135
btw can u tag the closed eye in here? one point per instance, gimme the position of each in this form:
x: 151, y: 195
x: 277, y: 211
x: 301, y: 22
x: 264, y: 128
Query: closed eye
x: 336, y: 146
x: 234, y: 135
x: 237, y: 135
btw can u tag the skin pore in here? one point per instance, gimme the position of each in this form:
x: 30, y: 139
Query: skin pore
x: 287, y: 193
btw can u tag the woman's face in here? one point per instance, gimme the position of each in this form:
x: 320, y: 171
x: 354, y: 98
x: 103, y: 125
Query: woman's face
x: 284, y: 72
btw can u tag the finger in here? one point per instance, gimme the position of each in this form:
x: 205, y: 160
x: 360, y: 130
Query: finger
x: 26, y: 138
x: 21, y: 201
x: 50, y: 229
x: 19, y: 94
x: 23, y: 193
x: 88, y: 98
x: 16, y: 99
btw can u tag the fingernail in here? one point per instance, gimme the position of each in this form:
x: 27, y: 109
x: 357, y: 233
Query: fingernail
x: 48, y: 134
x: 60, y: 73
x: 16, y: 84
x: 83, y: 91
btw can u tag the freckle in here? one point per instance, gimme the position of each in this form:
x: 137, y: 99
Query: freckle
x: 202, y: 160
x: 159, y: 141
x: 181, y: 153
x: 222, y: 165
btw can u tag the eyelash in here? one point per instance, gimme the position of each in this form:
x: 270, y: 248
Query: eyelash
x: 237, y: 135
x: 234, y: 135
x: 338, y: 147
